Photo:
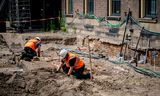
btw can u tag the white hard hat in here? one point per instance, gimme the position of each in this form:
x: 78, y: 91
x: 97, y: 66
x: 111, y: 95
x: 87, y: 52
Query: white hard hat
x: 63, y: 53
x: 38, y: 38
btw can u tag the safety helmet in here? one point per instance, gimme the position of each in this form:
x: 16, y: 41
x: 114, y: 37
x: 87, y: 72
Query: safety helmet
x: 38, y: 38
x: 63, y: 53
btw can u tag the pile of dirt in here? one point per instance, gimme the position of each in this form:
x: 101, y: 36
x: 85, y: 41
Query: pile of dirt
x: 5, y: 53
x: 109, y: 79
x: 3, y: 44
x: 10, y: 89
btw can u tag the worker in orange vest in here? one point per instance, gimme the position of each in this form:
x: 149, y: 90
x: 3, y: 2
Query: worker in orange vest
x: 31, y: 49
x: 72, y: 64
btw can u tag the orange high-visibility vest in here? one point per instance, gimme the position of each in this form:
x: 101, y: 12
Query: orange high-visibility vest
x: 78, y: 64
x: 32, y: 44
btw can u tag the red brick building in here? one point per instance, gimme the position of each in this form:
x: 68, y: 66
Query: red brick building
x: 103, y: 8
x: 147, y: 11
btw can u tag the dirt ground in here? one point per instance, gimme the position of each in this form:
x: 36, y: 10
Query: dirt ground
x: 38, y: 78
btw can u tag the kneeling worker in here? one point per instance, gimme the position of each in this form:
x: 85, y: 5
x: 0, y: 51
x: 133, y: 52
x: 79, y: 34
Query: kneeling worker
x: 72, y: 64
x: 31, y: 49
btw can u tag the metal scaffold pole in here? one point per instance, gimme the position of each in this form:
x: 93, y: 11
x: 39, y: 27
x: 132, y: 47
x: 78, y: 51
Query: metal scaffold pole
x: 1, y: 4
x: 19, y: 14
x: 43, y: 14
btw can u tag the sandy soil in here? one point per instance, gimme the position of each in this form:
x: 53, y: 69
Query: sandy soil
x: 38, y: 78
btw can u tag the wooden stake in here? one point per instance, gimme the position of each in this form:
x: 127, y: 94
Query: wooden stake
x: 154, y: 68
x: 126, y: 51
x: 125, y: 30
x: 89, y: 50
x: 137, y: 45
x: 154, y: 60
x: 148, y: 46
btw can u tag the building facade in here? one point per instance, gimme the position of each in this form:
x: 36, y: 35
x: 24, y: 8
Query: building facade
x: 140, y: 9
x: 144, y: 11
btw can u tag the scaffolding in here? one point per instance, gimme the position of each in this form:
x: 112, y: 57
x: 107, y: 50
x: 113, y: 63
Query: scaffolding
x: 2, y: 4
x: 19, y: 14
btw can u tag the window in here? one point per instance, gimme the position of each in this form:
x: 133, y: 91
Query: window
x: 88, y: 6
x: 114, y: 7
x: 148, y: 8
x: 69, y: 7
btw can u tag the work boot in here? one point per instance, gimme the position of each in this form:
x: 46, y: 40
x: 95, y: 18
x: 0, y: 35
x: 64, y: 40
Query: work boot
x: 91, y: 76
x: 36, y: 59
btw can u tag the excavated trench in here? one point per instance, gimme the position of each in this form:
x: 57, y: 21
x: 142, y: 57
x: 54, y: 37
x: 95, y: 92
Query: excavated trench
x: 38, y: 78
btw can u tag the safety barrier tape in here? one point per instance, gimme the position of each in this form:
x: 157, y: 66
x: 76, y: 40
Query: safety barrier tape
x: 34, y: 20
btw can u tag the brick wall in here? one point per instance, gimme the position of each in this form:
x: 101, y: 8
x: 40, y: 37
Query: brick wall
x: 78, y: 4
x: 133, y: 5
x: 100, y: 8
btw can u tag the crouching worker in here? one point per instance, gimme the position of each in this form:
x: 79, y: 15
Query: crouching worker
x: 73, y: 65
x: 31, y: 49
